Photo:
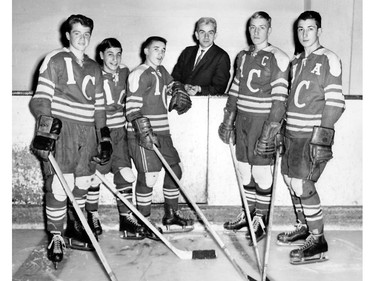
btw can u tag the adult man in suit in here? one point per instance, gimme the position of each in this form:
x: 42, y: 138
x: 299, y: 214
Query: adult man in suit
x: 204, y: 68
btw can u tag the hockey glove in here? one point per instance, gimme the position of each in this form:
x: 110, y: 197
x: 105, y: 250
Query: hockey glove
x: 227, y: 128
x: 321, y: 145
x: 104, y: 147
x: 144, y: 133
x: 180, y: 100
x: 47, y: 132
x: 266, y: 144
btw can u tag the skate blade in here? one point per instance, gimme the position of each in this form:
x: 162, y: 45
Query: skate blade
x: 78, y: 245
x: 294, y: 243
x: 170, y: 229
x: 131, y: 236
x: 322, y: 257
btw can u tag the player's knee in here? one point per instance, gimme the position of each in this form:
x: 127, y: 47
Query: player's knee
x: 262, y: 176
x: 95, y: 181
x: 288, y: 182
x: 297, y: 186
x: 309, y: 189
x: 127, y: 174
x: 151, y: 178
x: 58, y: 190
x: 177, y: 170
x: 84, y: 182
x: 245, y: 172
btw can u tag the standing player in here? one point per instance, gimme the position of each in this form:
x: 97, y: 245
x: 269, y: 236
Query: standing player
x: 255, y: 107
x: 115, y: 78
x: 315, y: 104
x: 71, y: 124
x: 146, y: 110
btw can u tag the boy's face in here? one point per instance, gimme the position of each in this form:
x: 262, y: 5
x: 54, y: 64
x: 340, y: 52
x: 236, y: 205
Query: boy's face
x: 205, y: 34
x: 79, y: 37
x: 308, y: 32
x: 259, y: 31
x: 111, y: 59
x: 155, y: 53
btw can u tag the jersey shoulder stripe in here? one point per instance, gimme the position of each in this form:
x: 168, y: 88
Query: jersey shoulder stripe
x: 333, y: 60
x: 135, y: 75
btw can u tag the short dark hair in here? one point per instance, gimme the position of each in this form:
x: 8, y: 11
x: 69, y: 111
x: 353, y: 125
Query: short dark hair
x: 85, y: 21
x: 262, y: 15
x: 109, y: 43
x: 151, y: 39
x: 311, y: 15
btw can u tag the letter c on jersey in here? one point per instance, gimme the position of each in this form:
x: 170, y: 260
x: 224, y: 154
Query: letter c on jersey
x: 298, y: 90
x: 253, y: 71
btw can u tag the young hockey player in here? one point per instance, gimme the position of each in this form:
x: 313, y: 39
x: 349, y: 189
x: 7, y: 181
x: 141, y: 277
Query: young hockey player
x: 115, y: 78
x: 252, y: 115
x: 146, y: 110
x: 69, y: 108
x: 315, y: 104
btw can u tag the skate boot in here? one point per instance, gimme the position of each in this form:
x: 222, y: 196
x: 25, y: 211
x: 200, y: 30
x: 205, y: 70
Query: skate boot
x: 149, y: 233
x: 259, y: 230
x: 296, y: 237
x: 236, y: 224
x: 94, y: 222
x: 76, y: 233
x: 55, y: 248
x: 174, y: 222
x: 314, y: 250
x: 130, y: 227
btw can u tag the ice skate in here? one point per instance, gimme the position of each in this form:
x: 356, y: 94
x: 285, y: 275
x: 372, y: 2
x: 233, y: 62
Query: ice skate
x: 314, y: 250
x: 295, y: 237
x: 238, y: 223
x: 259, y: 230
x: 94, y: 222
x: 55, y: 248
x: 174, y: 222
x: 76, y: 234
x: 130, y: 227
x: 149, y: 233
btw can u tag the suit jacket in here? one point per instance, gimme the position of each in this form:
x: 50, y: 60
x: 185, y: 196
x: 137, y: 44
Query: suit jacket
x: 211, y: 73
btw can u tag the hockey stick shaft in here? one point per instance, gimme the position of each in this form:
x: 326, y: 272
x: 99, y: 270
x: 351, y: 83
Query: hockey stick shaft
x: 201, y: 215
x: 81, y: 217
x: 270, y: 220
x: 180, y: 253
x: 246, y: 206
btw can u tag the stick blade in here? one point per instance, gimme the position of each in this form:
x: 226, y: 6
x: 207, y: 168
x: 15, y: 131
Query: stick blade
x: 204, y: 254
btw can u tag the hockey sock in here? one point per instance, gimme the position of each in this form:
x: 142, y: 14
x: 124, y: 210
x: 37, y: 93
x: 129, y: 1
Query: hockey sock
x: 263, y: 201
x: 170, y: 189
x: 143, y: 195
x: 92, y: 199
x: 311, y: 208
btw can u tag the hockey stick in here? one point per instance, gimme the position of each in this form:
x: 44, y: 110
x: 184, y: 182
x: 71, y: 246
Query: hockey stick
x: 270, y: 220
x: 203, y: 218
x: 185, y: 255
x: 81, y: 217
x: 246, y: 206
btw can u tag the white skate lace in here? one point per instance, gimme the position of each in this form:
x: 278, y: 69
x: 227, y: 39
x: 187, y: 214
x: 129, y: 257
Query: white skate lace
x: 309, y: 242
x: 58, y: 243
x: 297, y: 228
x: 133, y: 220
x: 258, y: 222
x: 95, y: 219
x: 238, y: 219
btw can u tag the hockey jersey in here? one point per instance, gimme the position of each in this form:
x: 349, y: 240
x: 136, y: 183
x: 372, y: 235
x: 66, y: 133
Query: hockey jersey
x: 147, y: 96
x: 69, y: 91
x: 316, y: 88
x: 114, y: 85
x: 261, y: 82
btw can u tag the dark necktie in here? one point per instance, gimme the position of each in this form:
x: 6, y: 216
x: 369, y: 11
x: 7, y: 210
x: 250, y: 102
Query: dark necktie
x: 199, y: 59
